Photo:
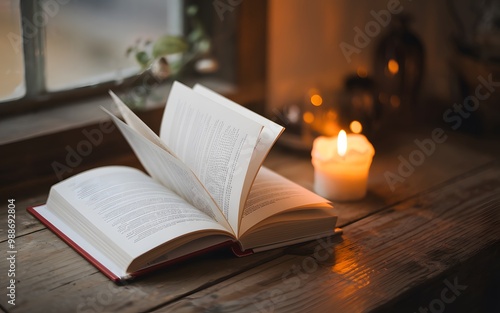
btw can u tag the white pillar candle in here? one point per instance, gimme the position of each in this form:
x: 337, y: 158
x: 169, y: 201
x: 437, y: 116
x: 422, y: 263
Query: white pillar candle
x: 341, y: 166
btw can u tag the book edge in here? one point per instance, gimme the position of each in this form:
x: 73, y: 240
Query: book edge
x: 236, y: 248
x: 107, y: 272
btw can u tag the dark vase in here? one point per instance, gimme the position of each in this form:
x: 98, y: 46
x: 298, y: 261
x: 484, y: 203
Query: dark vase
x: 398, y: 67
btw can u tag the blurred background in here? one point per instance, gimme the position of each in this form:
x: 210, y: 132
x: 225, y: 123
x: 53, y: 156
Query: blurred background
x: 389, y: 58
x: 314, y: 66
x: 84, y: 42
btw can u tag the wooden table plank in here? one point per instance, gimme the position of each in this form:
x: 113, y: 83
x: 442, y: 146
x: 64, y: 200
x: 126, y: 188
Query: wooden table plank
x: 459, y: 154
x: 50, y: 270
x: 25, y: 223
x: 47, y: 269
x: 378, y: 259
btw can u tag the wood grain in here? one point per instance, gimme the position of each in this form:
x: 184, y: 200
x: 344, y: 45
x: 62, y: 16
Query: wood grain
x: 456, y: 156
x: 378, y: 259
x: 390, y: 245
x: 47, y: 270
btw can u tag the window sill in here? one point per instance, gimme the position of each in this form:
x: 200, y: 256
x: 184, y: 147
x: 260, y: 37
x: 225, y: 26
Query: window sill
x: 52, y: 120
x: 40, y: 147
x: 80, y: 114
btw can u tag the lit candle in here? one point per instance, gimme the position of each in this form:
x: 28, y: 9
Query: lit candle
x: 341, y: 166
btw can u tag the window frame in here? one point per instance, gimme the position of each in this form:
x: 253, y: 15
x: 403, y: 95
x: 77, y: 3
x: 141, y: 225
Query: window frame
x: 246, y: 49
x: 36, y: 94
x: 33, y: 172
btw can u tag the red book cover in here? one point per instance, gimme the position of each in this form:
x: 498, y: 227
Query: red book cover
x: 77, y: 245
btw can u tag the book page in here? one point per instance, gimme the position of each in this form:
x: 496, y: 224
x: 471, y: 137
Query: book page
x: 266, y: 140
x: 271, y: 194
x: 137, y: 124
x: 215, y: 142
x: 288, y: 227
x: 126, y: 212
x: 58, y: 225
x: 171, y: 172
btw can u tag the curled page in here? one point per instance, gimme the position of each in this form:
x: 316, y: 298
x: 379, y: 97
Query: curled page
x: 270, y: 194
x: 171, y: 172
x: 266, y: 140
x: 215, y: 142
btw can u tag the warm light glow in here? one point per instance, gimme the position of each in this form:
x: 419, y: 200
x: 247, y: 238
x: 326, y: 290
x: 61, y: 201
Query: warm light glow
x: 395, y: 101
x: 332, y: 115
x: 356, y: 127
x: 393, y: 66
x: 342, y: 143
x: 347, y: 262
x: 308, y: 117
x: 330, y: 128
x: 316, y: 100
x: 361, y: 71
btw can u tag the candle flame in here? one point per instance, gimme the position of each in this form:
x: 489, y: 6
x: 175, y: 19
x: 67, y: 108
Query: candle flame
x: 342, y: 143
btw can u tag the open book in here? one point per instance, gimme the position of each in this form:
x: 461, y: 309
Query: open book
x: 205, y: 189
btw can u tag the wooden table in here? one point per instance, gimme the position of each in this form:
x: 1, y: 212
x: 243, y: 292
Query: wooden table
x: 432, y: 243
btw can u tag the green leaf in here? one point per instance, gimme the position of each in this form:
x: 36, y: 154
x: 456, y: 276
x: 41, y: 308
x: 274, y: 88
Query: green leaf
x: 169, y: 45
x: 142, y: 58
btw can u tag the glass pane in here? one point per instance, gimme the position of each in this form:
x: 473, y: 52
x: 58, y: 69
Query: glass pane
x: 11, y: 51
x: 86, y: 40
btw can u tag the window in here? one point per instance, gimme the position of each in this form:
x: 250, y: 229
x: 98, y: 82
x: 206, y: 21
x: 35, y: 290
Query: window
x: 11, y: 57
x: 50, y: 48
x: 55, y: 52
x: 86, y: 41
